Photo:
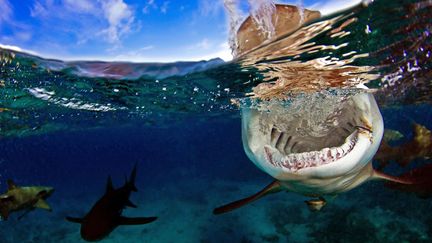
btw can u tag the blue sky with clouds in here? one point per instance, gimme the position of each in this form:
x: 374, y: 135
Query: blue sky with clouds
x: 124, y: 30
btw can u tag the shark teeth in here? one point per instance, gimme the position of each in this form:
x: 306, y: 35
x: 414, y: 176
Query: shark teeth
x: 297, y: 161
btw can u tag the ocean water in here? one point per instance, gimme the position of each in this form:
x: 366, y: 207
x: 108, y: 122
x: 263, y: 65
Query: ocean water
x: 70, y: 125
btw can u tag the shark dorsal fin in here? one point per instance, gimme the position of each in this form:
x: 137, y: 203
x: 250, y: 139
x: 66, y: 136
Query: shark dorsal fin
x: 11, y: 184
x: 109, y: 186
x: 42, y: 204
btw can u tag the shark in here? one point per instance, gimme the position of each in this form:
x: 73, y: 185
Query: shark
x: 315, y: 147
x: 334, y: 158
x: 26, y: 198
x: 106, y: 214
x: 420, y: 147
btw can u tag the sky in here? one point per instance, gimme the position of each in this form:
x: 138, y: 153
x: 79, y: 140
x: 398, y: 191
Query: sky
x: 126, y: 30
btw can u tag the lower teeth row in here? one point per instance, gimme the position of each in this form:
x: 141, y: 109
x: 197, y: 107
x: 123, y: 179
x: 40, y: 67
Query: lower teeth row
x: 295, y: 162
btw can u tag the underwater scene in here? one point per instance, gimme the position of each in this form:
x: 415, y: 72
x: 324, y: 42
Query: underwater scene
x: 318, y: 129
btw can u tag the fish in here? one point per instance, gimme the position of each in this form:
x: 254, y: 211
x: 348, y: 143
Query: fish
x: 419, y: 147
x: 334, y: 162
x: 25, y: 198
x: 106, y: 214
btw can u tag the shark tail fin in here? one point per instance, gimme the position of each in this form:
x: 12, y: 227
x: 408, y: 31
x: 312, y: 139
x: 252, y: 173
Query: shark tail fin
x: 132, y: 178
x: 271, y: 188
x: 417, y: 181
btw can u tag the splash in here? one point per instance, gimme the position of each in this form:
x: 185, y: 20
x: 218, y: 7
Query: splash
x: 262, y: 12
x: 301, y: 10
x: 235, y: 20
x: 261, y: 18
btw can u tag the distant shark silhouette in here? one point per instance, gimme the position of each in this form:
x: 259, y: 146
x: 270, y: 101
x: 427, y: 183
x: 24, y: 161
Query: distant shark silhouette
x: 105, y: 215
x: 23, y: 198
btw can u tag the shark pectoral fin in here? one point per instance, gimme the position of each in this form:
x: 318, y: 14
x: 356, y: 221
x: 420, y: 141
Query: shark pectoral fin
x: 130, y: 204
x: 271, y: 188
x: 136, y: 221
x: 42, y: 204
x: 74, y: 220
x: 418, y: 181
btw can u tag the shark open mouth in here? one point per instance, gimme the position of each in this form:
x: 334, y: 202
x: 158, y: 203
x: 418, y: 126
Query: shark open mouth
x: 315, y: 136
x: 297, y: 161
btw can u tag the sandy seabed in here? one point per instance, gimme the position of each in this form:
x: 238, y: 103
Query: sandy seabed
x: 370, y: 213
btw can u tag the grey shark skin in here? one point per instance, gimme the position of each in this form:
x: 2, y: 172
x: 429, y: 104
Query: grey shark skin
x: 317, y: 165
x: 23, y: 198
x: 105, y: 215
x: 320, y: 166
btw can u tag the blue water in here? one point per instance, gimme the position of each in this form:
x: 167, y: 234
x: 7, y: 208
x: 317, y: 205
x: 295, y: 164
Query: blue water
x: 184, y: 171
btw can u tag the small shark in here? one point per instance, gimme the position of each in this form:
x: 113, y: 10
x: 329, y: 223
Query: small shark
x: 420, y: 147
x: 284, y: 144
x: 23, y: 198
x: 105, y: 215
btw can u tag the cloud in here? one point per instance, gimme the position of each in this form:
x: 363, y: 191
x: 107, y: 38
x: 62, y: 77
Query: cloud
x: 208, y: 50
x: 6, y: 12
x: 210, y: 8
x: 164, y: 7
x: 120, y: 19
x: 222, y: 51
x: 148, y: 5
x: 152, y: 5
x: 106, y: 20
x: 38, y: 10
x: 16, y: 30
x: 81, y: 6
x: 204, y: 44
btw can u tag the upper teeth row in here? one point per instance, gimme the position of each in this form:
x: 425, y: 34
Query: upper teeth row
x: 294, y: 162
